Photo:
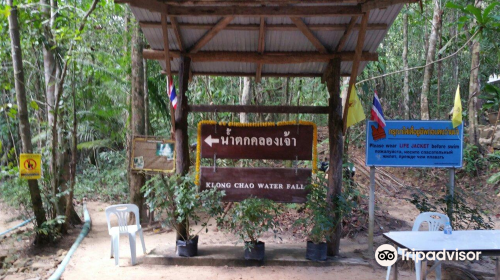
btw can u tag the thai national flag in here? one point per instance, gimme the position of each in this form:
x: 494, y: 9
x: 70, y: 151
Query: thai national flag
x: 172, y: 95
x: 377, y: 114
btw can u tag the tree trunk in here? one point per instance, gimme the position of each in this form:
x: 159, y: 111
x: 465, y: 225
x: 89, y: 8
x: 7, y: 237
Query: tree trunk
x: 245, y: 97
x: 137, y: 180
x: 24, y: 125
x: 70, y: 212
x: 406, y: 86
x: 474, y: 87
x: 431, y: 53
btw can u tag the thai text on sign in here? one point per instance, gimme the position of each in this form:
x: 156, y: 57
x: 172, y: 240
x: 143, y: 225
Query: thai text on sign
x: 287, y: 142
x: 30, y: 166
x: 414, y: 144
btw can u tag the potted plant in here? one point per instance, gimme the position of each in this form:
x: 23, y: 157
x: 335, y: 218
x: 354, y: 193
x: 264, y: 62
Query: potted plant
x: 249, y: 219
x: 178, y: 198
x: 321, y: 217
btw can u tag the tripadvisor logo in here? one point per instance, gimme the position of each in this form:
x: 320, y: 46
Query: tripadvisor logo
x: 387, y: 255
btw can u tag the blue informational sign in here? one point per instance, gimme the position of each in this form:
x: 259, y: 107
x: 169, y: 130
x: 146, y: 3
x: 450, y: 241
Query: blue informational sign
x: 414, y: 144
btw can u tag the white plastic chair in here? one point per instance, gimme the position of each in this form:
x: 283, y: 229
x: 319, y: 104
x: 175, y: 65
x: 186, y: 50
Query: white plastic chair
x: 435, y: 222
x: 122, y: 212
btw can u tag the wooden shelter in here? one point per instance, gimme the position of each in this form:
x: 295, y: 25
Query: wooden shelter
x: 272, y: 38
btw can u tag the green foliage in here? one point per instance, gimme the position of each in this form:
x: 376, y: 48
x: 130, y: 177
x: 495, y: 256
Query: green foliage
x: 14, y: 190
x: 106, y: 179
x: 178, y: 198
x: 318, y: 220
x: 51, y: 228
x: 466, y: 214
x: 491, y: 97
x: 250, y: 218
x: 474, y: 161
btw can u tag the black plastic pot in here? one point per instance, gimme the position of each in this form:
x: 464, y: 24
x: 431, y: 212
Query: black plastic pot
x: 255, y: 251
x: 187, y: 248
x: 316, y: 252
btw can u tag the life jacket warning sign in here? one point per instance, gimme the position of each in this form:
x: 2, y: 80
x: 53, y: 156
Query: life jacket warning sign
x: 30, y: 166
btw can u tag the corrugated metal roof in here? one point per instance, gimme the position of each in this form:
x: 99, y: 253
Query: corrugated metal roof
x: 275, y: 41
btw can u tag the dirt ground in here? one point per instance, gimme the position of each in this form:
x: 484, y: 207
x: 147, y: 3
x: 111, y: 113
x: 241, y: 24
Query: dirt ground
x: 92, y: 261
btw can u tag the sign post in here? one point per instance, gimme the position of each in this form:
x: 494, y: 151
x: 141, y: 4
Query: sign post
x: 371, y: 210
x: 433, y: 144
x: 30, y: 166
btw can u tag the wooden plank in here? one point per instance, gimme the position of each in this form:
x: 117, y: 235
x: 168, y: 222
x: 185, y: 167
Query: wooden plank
x: 151, y: 5
x: 259, y: 109
x: 278, y: 184
x: 266, y: 11
x: 355, y: 65
x: 254, y: 2
x: 269, y: 27
x: 255, y: 57
x: 261, y: 47
x: 309, y: 35
x: 288, y: 142
x: 166, y: 51
x: 346, y: 35
x: 211, y: 33
x: 175, y: 27
x: 335, y: 141
x: 251, y: 74
x: 383, y: 4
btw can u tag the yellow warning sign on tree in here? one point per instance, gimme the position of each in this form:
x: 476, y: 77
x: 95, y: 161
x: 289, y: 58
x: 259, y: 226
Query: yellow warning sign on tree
x: 30, y: 166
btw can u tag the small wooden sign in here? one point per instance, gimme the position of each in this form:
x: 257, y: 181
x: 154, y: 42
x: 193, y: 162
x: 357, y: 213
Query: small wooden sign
x: 152, y: 155
x: 278, y: 184
x: 288, y: 142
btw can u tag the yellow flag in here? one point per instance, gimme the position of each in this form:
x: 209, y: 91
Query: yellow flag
x: 457, y: 110
x: 355, y: 113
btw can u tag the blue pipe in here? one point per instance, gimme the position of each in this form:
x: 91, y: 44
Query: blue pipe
x: 18, y: 226
x: 85, y: 230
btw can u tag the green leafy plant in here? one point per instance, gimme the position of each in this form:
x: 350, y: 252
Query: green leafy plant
x: 51, y: 228
x: 178, y: 198
x: 318, y: 221
x: 252, y: 217
x: 474, y: 160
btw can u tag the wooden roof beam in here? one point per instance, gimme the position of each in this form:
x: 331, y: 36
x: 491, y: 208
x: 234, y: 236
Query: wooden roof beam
x: 175, y: 27
x: 358, y: 53
x: 211, y: 33
x: 252, y: 74
x: 383, y: 4
x: 166, y: 51
x: 254, y: 2
x: 346, y: 35
x: 255, y: 57
x: 308, y: 33
x: 262, y: 45
x: 269, y: 27
x: 266, y: 11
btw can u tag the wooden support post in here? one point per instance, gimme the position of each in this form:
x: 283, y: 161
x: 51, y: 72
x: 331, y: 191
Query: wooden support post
x: 332, y: 78
x: 181, y: 134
